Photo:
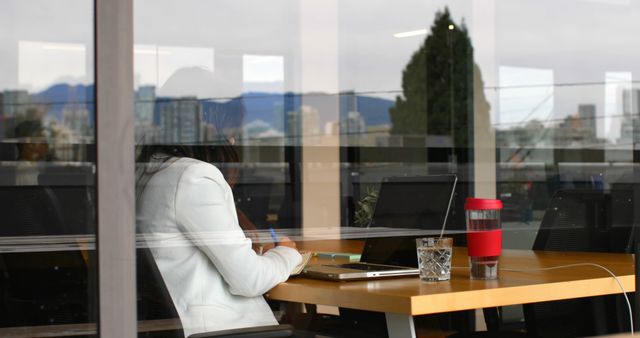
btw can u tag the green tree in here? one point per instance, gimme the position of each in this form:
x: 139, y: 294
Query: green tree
x: 437, y: 85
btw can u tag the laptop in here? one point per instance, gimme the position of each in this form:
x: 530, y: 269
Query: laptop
x: 403, y: 202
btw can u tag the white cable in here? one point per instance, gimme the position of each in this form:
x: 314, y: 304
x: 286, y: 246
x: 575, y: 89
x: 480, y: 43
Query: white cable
x: 624, y: 292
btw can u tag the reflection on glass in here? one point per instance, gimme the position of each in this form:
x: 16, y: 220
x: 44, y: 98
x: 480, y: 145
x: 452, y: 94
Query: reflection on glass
x: 618, y: 105
x: 47, y: 166
x: 437, y: 86
x: 491, y: 92
x: 526, y: 94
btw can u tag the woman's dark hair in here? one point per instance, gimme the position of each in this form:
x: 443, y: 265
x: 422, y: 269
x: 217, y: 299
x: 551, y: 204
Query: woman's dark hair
x: 215, y: 154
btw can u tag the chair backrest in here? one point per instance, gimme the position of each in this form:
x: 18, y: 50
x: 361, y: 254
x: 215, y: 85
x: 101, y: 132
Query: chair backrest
x: 154, y: 302
x: 153, y: 298
x: 47, y: 210
x: 588, y: 220
x: 44, y: 288
x: 29, y: 211
x: 47, y: 287
x: 254, y: 199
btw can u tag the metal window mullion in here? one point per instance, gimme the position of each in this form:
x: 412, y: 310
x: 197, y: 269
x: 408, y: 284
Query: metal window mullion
x: 115, y: 240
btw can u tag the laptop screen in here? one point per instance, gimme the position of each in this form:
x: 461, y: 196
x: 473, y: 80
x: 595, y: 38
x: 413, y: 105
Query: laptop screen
x: 411, y: 203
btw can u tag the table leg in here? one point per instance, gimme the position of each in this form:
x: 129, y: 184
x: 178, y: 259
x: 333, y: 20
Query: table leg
x: 400, y: 325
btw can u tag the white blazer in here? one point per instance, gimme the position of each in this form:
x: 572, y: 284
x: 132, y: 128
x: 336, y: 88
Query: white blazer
x: 215, y: 279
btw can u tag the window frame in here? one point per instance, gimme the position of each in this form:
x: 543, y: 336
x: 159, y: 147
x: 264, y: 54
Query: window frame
x: 115, y: 238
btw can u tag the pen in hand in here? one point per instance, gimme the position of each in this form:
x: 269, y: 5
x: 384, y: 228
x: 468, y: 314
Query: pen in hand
x: 273, y: 235
x: 284, y: 241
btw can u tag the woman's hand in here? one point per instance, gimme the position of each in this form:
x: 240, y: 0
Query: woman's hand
x: 285, y: 241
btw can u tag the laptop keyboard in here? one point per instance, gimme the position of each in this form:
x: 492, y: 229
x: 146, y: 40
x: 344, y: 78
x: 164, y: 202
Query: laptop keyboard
x: 367, y: 267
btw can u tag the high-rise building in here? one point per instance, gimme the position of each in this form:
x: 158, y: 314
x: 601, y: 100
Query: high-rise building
x: 292, y: 103
x: 587, y: 115
x: 304, y: 121
x: 180, y: 120
x: 630, y: 101
x: 353, y: 123
x: 145, y: 98
x: 15, y: 102
x: 630, y: 117
x: 348, y: 103
x: 145, y: 131
x: 14, y: 105
x: 278, y: 115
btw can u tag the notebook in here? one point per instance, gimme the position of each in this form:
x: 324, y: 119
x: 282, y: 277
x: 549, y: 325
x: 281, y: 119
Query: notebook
x: 306, y: 257
x: 403, y: 202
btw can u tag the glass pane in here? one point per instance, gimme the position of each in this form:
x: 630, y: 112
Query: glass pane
x: 47, y: 168
x: 293, y: 117
x: 413, y: 115
x: 207, y: 94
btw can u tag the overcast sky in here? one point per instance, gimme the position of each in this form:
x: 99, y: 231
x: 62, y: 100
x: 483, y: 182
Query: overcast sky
x: 331, y: 45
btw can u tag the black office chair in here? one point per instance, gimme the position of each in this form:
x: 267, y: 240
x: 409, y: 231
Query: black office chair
x: 253, y: 198
x: 73, y: 187
x: 41, y: 288
x: 583, y: 220
x: 30, y: 211
x: 45, y: 288
x: 154, y: 302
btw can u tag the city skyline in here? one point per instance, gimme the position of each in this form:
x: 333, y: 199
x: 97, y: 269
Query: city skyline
x: 266, y: 118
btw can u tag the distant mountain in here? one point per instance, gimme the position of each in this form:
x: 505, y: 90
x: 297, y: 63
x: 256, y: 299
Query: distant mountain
x: 265, y: 106
x: 268, y: 107
x: 375, y: 110
x: 65, y: 93
x: 60, y: 95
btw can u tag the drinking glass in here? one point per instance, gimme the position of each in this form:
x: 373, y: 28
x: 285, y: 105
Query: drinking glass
x: 434, y: 258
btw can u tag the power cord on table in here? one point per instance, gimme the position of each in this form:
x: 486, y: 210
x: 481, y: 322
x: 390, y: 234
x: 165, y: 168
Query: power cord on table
x: 624, y: 292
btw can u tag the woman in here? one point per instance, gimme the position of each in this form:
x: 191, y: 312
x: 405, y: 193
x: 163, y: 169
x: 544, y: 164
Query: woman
x: 186, y: 210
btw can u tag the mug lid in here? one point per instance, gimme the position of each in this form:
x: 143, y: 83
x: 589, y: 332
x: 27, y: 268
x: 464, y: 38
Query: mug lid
x: 472, y: 203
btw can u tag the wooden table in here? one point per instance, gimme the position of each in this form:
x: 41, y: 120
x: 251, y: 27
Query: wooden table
x: 402, y: 298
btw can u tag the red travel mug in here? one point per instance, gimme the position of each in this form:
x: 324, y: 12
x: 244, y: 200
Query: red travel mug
x: 484, y: 236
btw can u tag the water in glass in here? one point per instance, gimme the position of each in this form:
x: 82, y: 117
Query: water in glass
x: 434, y: 263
